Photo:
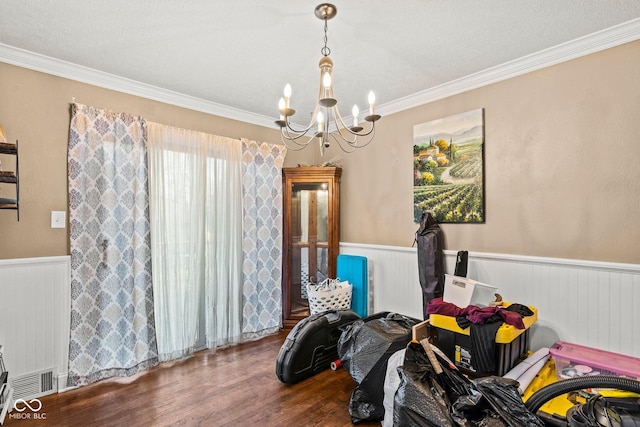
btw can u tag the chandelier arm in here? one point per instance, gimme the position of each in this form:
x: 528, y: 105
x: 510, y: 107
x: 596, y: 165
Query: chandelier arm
x: 302, y: 132
x: 362, y: 133
x: 351, y: 141
x: 341, y: 143
x: 345, y: 134
x: 294, y: 138
x: 340, y: 128
x: 354, y: 145
x: 287, y: 140
x: 338, y: 119
x: 371, y: 134
x: 292, y: 134
x: 347, y: 128
x: 351, y: 147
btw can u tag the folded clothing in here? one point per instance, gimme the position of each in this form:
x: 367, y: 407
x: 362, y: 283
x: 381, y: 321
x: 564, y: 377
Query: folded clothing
x: 480, y: 315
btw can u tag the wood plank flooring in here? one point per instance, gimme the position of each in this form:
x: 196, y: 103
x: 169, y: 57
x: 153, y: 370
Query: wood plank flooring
x: 235, y: 386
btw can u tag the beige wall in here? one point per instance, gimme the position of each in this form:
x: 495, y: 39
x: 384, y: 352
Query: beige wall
x: 561, y: 161
x: 34, y: 108
x: 562, y: 165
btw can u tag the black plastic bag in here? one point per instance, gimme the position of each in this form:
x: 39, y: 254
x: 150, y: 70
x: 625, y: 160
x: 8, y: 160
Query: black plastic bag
x: 504, y: 398
x: 421, y: 400
x: 426, y: 399
x: 364, y: 349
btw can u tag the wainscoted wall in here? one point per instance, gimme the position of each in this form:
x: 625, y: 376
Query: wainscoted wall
x: 34, y: 315
x: 596, y: 304
x: 590, y: 303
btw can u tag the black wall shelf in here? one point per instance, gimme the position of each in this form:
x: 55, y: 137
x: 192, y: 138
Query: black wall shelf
x: 10, y: 177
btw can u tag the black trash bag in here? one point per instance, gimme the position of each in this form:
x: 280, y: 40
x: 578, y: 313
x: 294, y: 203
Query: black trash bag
x: 364, y: 349
x: 504, y: 398
x: 426, y: 399
x: 421, y: 399
x: 474, y: 411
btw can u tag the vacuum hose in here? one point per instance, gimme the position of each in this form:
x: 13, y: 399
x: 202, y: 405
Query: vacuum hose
x: 550, y: 391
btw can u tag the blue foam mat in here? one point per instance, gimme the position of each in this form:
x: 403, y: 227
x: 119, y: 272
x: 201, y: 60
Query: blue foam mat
x: 354, y: 268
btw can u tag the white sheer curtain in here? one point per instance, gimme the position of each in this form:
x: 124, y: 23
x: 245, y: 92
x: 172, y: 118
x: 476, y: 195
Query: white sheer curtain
x: 195, y: 186
x: 223, y: 255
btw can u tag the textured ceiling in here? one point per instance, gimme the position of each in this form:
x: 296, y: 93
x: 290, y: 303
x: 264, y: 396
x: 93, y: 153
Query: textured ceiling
x: 241, y: 53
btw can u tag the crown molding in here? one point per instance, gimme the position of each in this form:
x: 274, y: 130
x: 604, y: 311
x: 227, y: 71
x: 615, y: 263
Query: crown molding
x: 46, y: 64
x: 623, y: 33
x: 611, y: 37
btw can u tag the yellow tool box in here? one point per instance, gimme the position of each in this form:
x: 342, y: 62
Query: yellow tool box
x: 512, y: 344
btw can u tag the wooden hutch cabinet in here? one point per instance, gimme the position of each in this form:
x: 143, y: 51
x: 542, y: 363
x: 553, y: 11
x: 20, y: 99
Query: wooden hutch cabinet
x: 311, y: 234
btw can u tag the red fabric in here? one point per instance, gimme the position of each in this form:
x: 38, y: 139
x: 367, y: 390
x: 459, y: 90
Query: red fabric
x: 473, y: 313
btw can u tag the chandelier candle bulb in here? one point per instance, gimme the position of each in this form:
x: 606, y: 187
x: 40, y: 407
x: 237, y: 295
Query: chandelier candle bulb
x: 287, y: 95
x: 326, y: 84
x: 320, y: 121
x: 326, y: 80
x: 355, y: 111
x: 372, y: 100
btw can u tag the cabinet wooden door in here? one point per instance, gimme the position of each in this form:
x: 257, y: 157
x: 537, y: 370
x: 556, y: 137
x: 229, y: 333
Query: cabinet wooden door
x: 311, y: 234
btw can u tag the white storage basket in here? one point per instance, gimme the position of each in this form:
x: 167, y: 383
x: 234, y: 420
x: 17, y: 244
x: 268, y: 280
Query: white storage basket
x: 331, y: 294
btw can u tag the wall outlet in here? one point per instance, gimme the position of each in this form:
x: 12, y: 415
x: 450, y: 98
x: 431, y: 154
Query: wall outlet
x: 58, y: 219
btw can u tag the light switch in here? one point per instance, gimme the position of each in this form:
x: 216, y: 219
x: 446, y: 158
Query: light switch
x: 58, y: 219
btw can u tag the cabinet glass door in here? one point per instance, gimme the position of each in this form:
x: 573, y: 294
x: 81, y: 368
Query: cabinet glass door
x: 309, y: 240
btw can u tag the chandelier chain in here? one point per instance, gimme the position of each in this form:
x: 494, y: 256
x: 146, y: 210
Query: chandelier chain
x: 325, y: 51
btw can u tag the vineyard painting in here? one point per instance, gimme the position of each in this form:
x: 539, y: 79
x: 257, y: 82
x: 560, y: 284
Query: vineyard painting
x: 448, y: 168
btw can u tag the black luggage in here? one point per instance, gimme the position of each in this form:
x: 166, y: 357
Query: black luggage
x: 311, y: 345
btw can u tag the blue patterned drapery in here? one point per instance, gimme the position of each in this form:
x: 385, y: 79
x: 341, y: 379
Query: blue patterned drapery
x: 262, y: 238
x: 112, y: 324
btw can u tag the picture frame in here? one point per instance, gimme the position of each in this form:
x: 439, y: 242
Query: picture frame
x: 448, y: 168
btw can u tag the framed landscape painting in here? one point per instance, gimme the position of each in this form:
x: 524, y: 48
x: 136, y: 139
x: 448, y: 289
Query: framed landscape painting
x: 448, y: 168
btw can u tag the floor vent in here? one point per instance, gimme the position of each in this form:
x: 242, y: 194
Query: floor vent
x: 35, y: 384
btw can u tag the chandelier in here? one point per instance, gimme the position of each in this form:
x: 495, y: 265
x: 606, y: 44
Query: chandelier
x: 326, y: 123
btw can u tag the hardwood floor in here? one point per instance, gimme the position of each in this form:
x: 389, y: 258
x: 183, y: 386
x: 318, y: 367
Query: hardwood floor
x: 235, y: 386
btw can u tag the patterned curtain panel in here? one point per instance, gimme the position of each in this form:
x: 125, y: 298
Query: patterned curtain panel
x: 262, y: 238
x: 112, y: 322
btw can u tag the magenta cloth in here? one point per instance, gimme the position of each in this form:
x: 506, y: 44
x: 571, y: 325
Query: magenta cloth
x: 473, y: 313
